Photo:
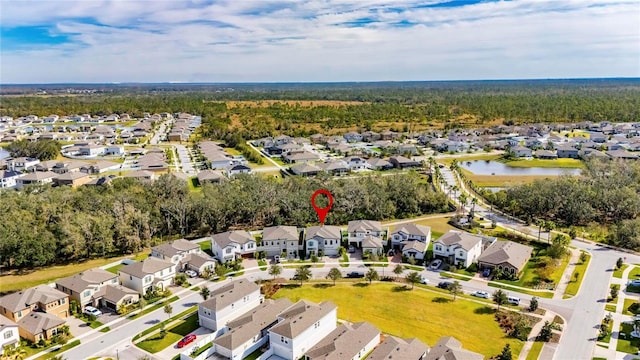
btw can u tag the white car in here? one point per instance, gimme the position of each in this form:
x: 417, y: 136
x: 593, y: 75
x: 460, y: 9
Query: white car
x: 480, y: 294
x: 424, y: 280
x: 90, y: 310
x: 435, y: 264
x: 191, y: 273
x: 634, y: 282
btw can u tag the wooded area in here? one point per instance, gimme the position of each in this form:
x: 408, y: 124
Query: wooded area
x: 40, y: 226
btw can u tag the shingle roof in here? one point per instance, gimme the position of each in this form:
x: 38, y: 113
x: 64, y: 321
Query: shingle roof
x: 81, y: 281
x: 464, y: 239
x: 300, y: 316
x: 371, y: 242
x: 210, y: 175
x: 39, y: 175
x: 197, y: 260
x: 145, y: 267
x: 509, y: 252
x: 37, y: 322
x: 236, y: 236
x: 5, y: 322
x: 305, y: 169
x: 449, y: 348
x: 413, y: 229
x: 344, y: 342
x: 377, y: 162
x: 364, y: 225
x: 115, y: 292
x: 226, y: 295
x: 280, y: 233
x: 324, y: 232
x: 247, y: 326
x: 175, y: 247
x: 416, y: 245
x: 23, y: 299
x: 399, y: 349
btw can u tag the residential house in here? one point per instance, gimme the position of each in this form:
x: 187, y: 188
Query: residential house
x: 73, y: 179
x: 347, y: 341
x: 617, y: 154
x: 230, y: 245
x: 147, y: 275
x: 372, y: 245
x: 98, y: 288
x: 545, y: 155
x: 210, y: 176
x: 235, y: 170
x: 410, y: 231
x: 414, y: 249
x: 389, y: 135
x: 521, y: 151
x: 8, y: 178
x: 186, y: 254
x: 399, y: 349
x: 36, y: 326
x: 43, y: 298
x: 100, y: 167
x: 301, y: 327
x: 353, y: 137
x: 317, y: 138
x: 35, y: 178
x: 140, y: 175
x: 359, y: 229
x: 300, y: 157
x: 277, y: 240
x: 369, y: 136
x: 325, y: 239
x: 458, y: 248
x: 565, y: 151
x: 250, y: 331
x: 334, y: 167
x: 228, y: 303
x: 449, y: 348
x: 356, y: 163
x: 409, y: 149
x: 507, y: 256
x: 114, y: 150
x: 305, y: 169
x: 597, y: 137
x: 46, y: 165
x: 91, y: 150
x: 22, y: 163
x: 402, y: 162
x: 378, y: 164
x: 9, y: 334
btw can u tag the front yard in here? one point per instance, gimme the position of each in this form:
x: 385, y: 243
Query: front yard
x: 581, y: 269
x: 626, y: 343
x: 429, y: 316
x: 530, y: 277
x: 157, y: 343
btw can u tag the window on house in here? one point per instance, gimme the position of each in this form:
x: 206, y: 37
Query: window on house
x: 87, y: 293
x: 8, y: 334
x: 438, y: 248
x: 62, y: 301
x: 317, y: 325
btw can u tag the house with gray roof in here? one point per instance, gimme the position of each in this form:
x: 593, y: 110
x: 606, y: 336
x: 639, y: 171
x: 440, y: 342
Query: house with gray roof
x: 228, y: 303
x: 35, y: 178
x: 228, y: 246
x: 460, y: 248
x: 347, y: 341
x: 17, y: 305
x: 334, y: 167
x: 250, y: 331
x: 508, y: 256
x: 410, y: 231
x: 300, y: 157
x: 414, y: 248
x: 545, y: 155
x: 359, y: 229
x: 277, y: 240
x: 399, y: 349
x: 567, y: 151
x: 186, y: 254
x: 325, y: 238
x: 375, y: 163
x: 38, y: 326
x: 301, y: 327
x: 305, y: 169
x: 372, y: 245
x: 402, y: 162
x: 210, y: 176
x: 449, y: 348
x: 82, y: 287
x: 147, y: 274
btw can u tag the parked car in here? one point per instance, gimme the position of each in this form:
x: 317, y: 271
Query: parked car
x: 191, y: 273
x: 276, y: 259
x: 186, y: 340
x: 424, y: 280
x: 513, y: 300
x: 355, y: 275
x: 445, y: 284
x: 634, y: 282
x: 480, y: 294
x: 352, y: 249
x: 486, y: 272
x: 90, y: 310
x: 435, y: 264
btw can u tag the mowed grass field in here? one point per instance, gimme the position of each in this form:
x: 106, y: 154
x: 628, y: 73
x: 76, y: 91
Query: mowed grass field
x: 502, y: 180
x: 541, y: 163
x: 415, y: 313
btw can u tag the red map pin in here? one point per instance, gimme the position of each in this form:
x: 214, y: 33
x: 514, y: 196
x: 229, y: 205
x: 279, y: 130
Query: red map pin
x: 322, y: 212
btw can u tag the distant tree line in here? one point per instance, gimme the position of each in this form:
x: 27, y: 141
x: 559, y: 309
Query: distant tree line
x: 43, y: 226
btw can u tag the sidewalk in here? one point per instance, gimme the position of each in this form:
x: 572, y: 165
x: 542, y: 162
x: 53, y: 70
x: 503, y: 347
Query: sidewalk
x: 535, y: 330
x: 566, y: 276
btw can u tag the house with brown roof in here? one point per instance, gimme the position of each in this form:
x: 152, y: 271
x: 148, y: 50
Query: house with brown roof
x: 399, y: 349
x: 145, y: 275
x: 410, y: 231
x: 277, y: 240
x: 402, y: 162
x: 210, y: 176
x: 35, y: 178
x: 372, y: 245
x: 305, y: 169
x: 300, y: 157
x: 325, y: 238
x: 38, y: 326
x: 228, y: 303
x: 347, y: 341
x: 460, y: 248
x: 42, y: 298
x: 508, y: 256
x: 250, y: 331
x: 83, y: 286
x: 230, y: 245
x: 301, y: 327
x: 73, y: 179
x: 449, y: 348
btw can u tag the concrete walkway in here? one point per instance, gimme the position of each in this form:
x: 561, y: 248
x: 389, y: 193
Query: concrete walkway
x: 566, y: 276
x: 548, y: 316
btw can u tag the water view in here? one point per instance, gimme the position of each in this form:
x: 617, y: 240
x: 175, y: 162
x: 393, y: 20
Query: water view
x: 488, y: 167
x: 3, y: 154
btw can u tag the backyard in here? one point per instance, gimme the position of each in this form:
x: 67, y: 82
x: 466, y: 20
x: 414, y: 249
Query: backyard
x: 430, y: 317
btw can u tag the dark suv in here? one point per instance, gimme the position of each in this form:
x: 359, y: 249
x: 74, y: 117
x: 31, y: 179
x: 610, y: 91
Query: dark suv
x: 355, y: 274
x: 444, y: 285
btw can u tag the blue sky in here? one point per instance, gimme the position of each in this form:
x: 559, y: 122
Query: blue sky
x: 316, y: 40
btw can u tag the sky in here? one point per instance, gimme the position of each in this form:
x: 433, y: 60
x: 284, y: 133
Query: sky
x: 102, y: 41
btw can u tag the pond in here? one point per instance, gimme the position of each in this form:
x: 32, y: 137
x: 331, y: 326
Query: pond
x: 3, y: 154
x: 489, y: 167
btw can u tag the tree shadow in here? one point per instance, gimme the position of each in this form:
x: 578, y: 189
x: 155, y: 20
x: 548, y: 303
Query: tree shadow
x: 484, y: 310
x: 322, y: 286
x: 190, y: 304
x: 151, y: 322
x: 290, y: 286
x: 440, y: 299
x: 400, y: 288
x: 361, y: 284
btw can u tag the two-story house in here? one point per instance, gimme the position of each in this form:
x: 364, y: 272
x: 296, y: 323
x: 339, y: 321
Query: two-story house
x: 459, y: 248
x: 144, y: 276
x: 228, y: 303
x: 278, y: 240
x: 9, y: 334
x: 22, y: 163
x: 325, y: 238
x: 347, y: 341
x: 98, y: 288
x: 408, y: 232
x: 185, y: 254
x: 250, y: 331
x: 300, y: 327
x: 8, y: 178
x: 228, y: 246
x: 359, y: 229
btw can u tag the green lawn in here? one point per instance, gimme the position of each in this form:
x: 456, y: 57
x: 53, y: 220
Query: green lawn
x: 542, y: 294
x: 627, y: 346
x: 627, y: 303
x: 114, y: 269
x: 607, y: 338
x: 60, y: 350
x: 529, y: 277
x: 430, y: 316
x: 536, y: 348
x: 581, y: 269
x: 610, y: 308
x: 205, y: 246
x: 617, y: 273
x: 635, y: 273
x: 156, y: 343
x: 558, y: 163
x: 152, y: 307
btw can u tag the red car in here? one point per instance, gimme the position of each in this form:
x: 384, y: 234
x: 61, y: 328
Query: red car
x: 186, y: 340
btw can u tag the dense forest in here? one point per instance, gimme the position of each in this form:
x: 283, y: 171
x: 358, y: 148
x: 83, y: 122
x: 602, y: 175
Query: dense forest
x: 43, y: 226
x: 607, y: 192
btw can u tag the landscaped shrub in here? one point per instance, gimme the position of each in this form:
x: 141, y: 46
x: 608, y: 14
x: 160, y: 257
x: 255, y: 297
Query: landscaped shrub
x: 473, y: 268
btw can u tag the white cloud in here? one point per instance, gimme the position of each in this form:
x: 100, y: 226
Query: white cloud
x: 311, y: 40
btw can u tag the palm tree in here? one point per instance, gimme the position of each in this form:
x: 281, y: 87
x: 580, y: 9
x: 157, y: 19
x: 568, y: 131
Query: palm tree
x: 549, y: 226
x: 334, y: 274
x: 303, y: 274
x: 204, y: 292
x: 372, y: 275
x: 463, y: 201
x: 275, y: 270
x: 474, y: 202
x: 455, y: 288
x: 540, y: 224
x: 413, y: 278
x: 398, y: 270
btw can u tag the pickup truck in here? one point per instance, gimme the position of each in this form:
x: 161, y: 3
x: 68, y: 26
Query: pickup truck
x: 355, y: 275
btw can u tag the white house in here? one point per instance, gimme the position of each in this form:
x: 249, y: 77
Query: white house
x: 356, y: 163
x: 250, y: 331
x: 8, y: 334
x: 229, y: 245
x: 35, y: 178
x: 347, y: 341
x: 185, y: 254
x: 359, y: 229
x: 238, y: 169
x: 458, y: 248
x: 414, y: 248
x: 408, y: 232
x: 280, y: 239
x: 8, y: 178
x: 22, y: 163
x: 114, y: 150
x: 372, y: 245
x: 325, y: 238
x: 147, y: 274
x: 301, y: 327
x: 91, y: 150
x: 99, y: 288
x: 228, y: 303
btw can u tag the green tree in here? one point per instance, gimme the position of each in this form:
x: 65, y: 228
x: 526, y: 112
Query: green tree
x: 334, y: 274
x: 546, y: 332
x: 142, y: 303
x: 275, y: 270
x: 533, y: 304
x: 500, y: 298
x: 413, y: 278
x: 372, y: 275
x: 614, y: 291
x: 303, y: 274
x: 619, y: 263
x: 583, y: 256
x: 398, y: 270
x: 455, y: 289
x: 205, y: 292
x: 168, y: 309
x: 506, y: 353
